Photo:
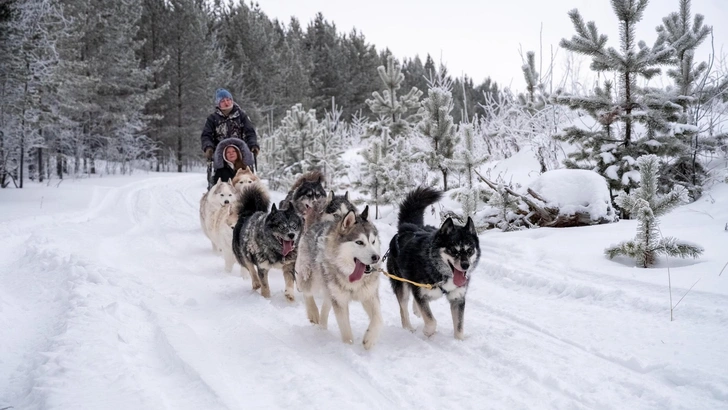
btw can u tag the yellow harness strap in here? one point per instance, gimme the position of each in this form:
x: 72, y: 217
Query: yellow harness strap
x: 421, y: 285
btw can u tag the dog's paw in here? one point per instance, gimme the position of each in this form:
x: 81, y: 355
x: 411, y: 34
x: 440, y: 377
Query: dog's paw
x: 265, y: 292
x: 256, y: 286
x: 290, y: 296
x: 459, y: 335
x: 347, y: 341
x: 429, y: 331
x: 368, y: 342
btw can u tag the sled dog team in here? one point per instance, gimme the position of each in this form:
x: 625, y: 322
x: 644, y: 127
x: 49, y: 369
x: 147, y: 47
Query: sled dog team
x: 330, y: 250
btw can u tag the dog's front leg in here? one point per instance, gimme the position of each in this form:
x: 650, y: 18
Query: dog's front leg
x: 457, y: 308
x: 325, y: 310
x: 290, y: 279
x: 402, y: 292
x: 264, y: 287
x: 254, y: 279
x: 371, y: 306
x: 311, y: 309
x: 430, y: 323
x: 227, y: 254
x: 341, y: 310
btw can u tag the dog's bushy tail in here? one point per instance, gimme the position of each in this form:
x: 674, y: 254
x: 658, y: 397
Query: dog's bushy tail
x: 412, y: 209
x: 253, y: 198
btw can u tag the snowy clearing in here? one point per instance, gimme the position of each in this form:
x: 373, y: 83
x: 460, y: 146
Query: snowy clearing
x: 110, y: 298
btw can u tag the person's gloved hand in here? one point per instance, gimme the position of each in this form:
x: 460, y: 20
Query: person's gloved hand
x: 208, y: 154
x: 255, y: 150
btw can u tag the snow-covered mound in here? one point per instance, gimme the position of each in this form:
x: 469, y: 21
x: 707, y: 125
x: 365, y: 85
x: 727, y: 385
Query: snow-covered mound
x: 576, y: 191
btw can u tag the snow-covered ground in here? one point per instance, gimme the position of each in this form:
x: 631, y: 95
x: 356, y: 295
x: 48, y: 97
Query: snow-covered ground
x: 110, y: 298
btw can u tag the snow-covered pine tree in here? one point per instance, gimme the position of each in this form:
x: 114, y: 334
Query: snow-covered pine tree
x: 647, y: 205
x: 391, y: 109
x: 506, y: 207
x: 327, y: 147
x: 385, y: 138
x: 294, y: 144
x: 31, y: 33
x: 611, y: 151
x: 437, y: 125
x: 684, y: 143
x: 374, y: 172
x: 468, y: 157
x: 193, y: 72
x: 542, y: 115
x: 115, y: 109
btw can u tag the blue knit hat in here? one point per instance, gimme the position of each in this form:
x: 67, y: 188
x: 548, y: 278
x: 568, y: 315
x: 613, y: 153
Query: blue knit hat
x: 220, y: 94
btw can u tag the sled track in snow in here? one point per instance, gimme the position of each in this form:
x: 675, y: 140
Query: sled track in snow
x: 146, y: 318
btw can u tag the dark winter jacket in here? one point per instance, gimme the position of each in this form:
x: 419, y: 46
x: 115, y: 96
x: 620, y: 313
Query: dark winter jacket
x: 226, y: 170
x: 234, y: 125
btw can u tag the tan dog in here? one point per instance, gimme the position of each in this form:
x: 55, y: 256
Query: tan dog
x: 243, y: 177
x: 220, y: 194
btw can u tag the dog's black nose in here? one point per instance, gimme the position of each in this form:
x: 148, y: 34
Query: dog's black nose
x: 292, y: 235
x: 227, y: 202
x: 375, y: 258
x: 465, y: 265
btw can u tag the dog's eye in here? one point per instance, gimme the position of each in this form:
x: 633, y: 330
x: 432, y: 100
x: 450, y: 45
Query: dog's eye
x: 360, y: 243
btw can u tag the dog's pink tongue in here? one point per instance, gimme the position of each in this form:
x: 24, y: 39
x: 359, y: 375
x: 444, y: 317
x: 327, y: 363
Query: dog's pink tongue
x: 358, y: 271
x: 458, y: 277
x: 287, y: 247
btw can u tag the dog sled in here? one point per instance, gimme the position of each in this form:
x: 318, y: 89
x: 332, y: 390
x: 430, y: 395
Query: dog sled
x: 211, y: 163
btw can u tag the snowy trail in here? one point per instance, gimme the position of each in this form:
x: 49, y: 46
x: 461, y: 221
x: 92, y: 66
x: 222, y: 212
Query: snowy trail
x: 123, y: 305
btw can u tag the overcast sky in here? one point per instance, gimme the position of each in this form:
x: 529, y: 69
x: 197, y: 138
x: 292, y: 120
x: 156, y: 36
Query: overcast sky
x: 482, y: 38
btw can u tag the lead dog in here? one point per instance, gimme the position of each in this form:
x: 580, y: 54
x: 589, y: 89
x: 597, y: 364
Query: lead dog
x: 443, y: 257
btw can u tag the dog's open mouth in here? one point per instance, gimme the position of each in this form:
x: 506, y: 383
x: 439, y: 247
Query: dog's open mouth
x: 359, y: 270
x: 287, y: 246
x: 459, y: 277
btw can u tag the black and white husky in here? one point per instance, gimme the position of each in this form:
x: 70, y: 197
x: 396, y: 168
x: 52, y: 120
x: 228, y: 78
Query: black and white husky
x: 265, y: 240
x: 443, y: 257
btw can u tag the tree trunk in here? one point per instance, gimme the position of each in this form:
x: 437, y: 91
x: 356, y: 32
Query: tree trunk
x: 59, y: 165
x: 40, y: 164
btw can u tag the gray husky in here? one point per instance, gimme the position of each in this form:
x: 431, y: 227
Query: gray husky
x: 339, y: 259
x: 265, y: 240
x: 306, y: 193
x: 442, y: 257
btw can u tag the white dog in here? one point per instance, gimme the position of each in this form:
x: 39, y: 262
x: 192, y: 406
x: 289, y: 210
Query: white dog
x: 220, y: 194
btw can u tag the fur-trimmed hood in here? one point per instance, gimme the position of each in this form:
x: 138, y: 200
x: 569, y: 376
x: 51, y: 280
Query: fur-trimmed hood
x: 243, y: 152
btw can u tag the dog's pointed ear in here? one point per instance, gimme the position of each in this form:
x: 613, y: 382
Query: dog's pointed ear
x: 349, y: 220
x: 330, y: 197
x: 240, y: 171
x: 470, y: 226
x: 346, y: 195
x: 365, y: 213
x: 447, y: 227
x: 290, y: 208
x: 273, y: 208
